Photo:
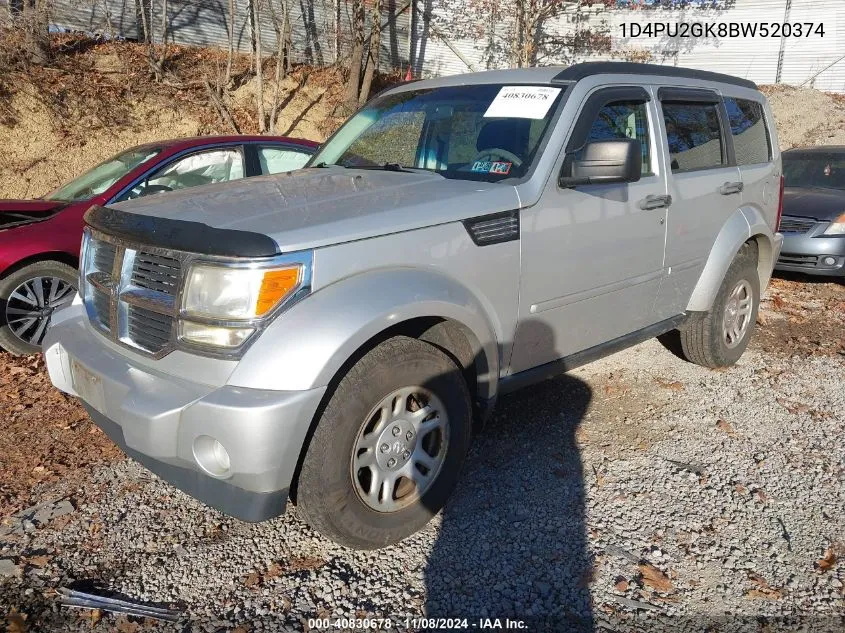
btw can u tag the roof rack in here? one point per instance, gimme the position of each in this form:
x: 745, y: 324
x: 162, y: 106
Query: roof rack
x: 587, y: 69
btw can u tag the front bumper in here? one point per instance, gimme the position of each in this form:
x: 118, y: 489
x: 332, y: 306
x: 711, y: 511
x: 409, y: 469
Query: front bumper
x: 164, y: 421
x: 813, y: 253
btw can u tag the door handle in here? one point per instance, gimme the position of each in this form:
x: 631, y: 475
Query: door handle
x: 731, y: 187
x: 655, y: 202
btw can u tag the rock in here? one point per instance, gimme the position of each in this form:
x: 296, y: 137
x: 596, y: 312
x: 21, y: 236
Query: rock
x: 8, y: 568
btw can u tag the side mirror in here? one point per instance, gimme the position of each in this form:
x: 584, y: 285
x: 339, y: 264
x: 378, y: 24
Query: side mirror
x: 603, y: 162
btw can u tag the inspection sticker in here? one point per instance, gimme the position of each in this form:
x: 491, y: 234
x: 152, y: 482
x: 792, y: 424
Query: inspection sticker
x: 522, y: 102
x: 500, y: 168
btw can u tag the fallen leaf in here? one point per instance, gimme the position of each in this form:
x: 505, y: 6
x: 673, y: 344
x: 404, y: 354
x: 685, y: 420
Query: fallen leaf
x: 827, y: 563
x: 673, y: 385
x: 274, y: 571
x: 760, y: 495
x: 125, y: 625
x: 725, y: 427
x: 655, y: 578
x: 778, y: 302
x: 252, y: 579
x: 621, y: 584
x: 95, y: 615
x: 773, y: 594
x: 38, y: 561
x: 240, y: 629
x: 16, y: 622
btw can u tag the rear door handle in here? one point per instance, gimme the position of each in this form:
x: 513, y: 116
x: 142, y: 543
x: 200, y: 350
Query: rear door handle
x: 655, y: 202
x: 731, y: 187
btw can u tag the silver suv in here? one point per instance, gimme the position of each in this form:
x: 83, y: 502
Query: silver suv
x: 330, y: 335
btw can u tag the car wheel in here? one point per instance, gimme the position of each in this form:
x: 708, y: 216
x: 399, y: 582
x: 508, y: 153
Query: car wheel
x: 388, y: 448
x: 28, y: 298
x: 719, y: 337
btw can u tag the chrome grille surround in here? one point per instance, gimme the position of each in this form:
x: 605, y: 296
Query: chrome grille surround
x: 119, y: 302
x: 137, y: 302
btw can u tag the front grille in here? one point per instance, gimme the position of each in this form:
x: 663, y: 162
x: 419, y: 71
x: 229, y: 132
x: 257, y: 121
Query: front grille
x: 790, y: 224
x: 101, y: 302
x: 790, y: 259
x: 149, y: 330
x: 156, y: 272
x: 130, y: 293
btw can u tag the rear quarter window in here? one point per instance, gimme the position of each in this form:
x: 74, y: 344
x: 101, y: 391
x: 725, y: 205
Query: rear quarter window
x: 752, y: 144
x: 694, y: 136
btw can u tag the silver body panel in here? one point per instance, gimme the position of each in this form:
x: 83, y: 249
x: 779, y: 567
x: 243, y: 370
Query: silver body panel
x: 588, y: 266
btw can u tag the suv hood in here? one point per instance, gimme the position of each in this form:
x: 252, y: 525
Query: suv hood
x: 813, y: 202
x: 322, y: 206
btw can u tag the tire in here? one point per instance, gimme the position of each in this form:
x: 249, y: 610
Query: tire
x: 703, y: 339
x: 21, y: 334
x: 333, y: 484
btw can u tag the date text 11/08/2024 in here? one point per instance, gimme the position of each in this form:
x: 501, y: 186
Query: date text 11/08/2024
x: 428, y: 624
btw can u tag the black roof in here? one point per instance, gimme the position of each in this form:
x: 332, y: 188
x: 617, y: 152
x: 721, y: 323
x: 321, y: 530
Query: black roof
x: 587, y: 69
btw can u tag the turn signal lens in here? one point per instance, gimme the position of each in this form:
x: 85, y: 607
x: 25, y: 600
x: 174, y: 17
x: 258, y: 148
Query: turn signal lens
x: 275, y: 286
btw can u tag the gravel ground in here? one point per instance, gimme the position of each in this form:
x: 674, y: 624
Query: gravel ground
x: 638, y: 493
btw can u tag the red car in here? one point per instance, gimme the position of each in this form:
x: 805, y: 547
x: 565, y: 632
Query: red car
x: 39, y: 239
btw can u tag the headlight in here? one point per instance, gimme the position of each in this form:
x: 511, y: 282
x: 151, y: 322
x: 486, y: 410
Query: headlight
x: 837, y: 227
x: 224, y: 304
x: 220, y: 292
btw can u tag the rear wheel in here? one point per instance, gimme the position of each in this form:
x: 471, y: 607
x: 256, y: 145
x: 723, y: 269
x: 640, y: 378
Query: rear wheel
x: 719, y: 337
x: 388, y: 449
x: 28, y: 298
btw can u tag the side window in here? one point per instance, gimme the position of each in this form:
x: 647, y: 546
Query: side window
x: 275, y: 160
x: 748, y: 127
x: 694, y: 135
x: 620, y: 120
x: 201, y: 168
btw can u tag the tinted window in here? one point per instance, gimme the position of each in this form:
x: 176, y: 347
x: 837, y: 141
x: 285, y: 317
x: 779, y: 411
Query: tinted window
x: 275, y: 160
x: 621, y: 120
x: 694, y: 136
x: 748, y: 127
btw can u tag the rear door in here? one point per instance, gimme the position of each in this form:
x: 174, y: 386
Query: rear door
x: 753, y: 150
x: 704, y: 183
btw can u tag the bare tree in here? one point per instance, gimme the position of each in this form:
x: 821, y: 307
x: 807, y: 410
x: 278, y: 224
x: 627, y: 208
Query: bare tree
x: 259, y: 70
x: 353, y: 84
x: 231, y: 52
x: 281, y: 25
x: 373, y: 52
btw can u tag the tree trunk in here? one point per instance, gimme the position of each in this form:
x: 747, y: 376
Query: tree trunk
x: 231, y: 52
x: 281, y: 55
x: 372, y: 55
x: 259, y: 76
x: 353, y: 84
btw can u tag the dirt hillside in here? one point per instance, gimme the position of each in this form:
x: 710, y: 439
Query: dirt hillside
x: 806, y: 116
x: 97, y: 99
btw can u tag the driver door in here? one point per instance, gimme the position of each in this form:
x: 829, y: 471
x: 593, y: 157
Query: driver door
x: 592, y: 255
x: 206, y: 167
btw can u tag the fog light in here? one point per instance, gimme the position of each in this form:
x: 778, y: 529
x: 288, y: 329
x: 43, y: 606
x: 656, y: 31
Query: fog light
x: 212, y: 456
x: 829, y: 261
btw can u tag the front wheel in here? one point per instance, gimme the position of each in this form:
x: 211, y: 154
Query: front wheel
x: 28, y: 298
x: 719, y: 337
x: 388, y: 449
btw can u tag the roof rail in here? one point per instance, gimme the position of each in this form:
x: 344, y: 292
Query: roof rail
x: 588, y: 69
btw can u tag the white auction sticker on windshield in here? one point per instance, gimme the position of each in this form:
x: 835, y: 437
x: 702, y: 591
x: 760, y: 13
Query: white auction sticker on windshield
x: 522, y: 102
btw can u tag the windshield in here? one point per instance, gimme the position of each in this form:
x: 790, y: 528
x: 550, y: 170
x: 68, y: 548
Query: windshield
x: 477, y: 132
x: 96, y: 180
x: 814, y: 170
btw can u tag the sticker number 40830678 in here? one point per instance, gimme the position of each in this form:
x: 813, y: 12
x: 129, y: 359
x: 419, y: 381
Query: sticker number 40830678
x: 500, y: 168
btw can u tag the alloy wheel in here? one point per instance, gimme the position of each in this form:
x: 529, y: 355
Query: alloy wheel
x: 30, y: 306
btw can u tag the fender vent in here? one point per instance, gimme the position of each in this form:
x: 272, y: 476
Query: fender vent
x: 493, y: 229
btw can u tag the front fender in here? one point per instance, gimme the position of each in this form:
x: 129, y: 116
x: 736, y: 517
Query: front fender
x: 306, y: 346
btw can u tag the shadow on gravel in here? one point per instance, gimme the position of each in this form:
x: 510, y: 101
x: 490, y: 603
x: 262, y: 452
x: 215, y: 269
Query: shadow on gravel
x: 512, y: 542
